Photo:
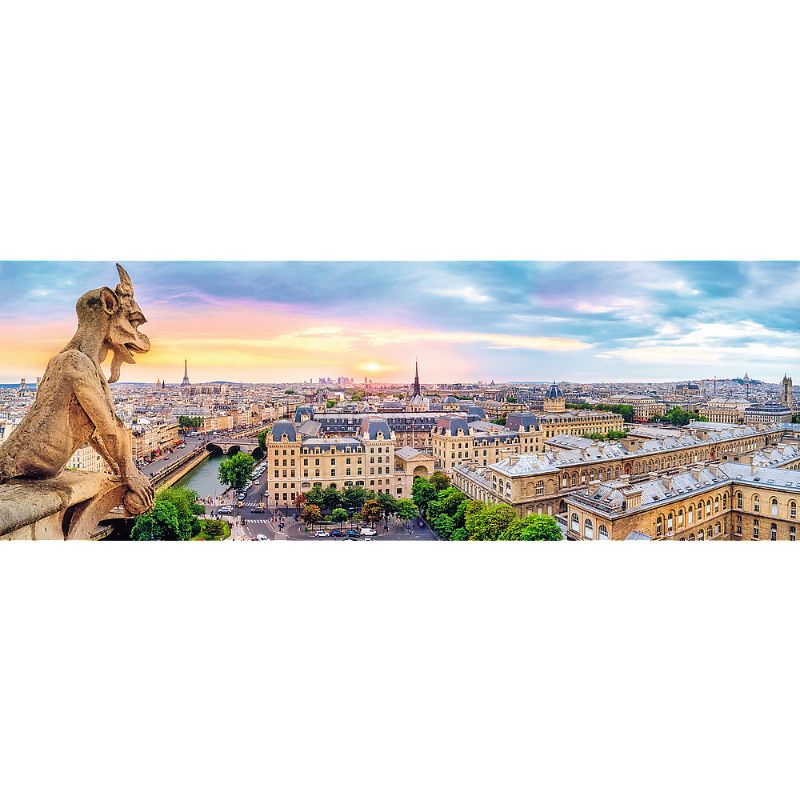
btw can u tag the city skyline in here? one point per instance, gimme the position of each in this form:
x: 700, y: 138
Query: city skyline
x: 465, y: 321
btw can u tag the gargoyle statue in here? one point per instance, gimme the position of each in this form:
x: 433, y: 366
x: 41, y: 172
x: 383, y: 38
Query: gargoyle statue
x: 73, y: 405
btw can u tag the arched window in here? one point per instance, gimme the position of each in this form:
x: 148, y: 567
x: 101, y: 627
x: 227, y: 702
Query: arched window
x: 708, y: 508
x: 575, y: 523
x: 773, y: 506
x: 709, y: 530
x: 659, y: 525
x: 574, y: 478
x: 739, y: 500
x: 588, y: 529
x: 700, y: 534
x: 680, y: 518
x: 716, y: 504
x: 669, y: 522
x: 756, y: 503
x: 591, y: 475
x: 792, y: 509
x: 724, y: 502
x: 691, y: 537
x: 616, y: 472
x: 690, y: 515
x: 603, y: 532
x: 564, y: 481
x: 773, y: 532
x: 699, y: 511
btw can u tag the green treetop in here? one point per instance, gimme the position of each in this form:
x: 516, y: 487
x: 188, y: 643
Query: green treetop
x: 237, y: 471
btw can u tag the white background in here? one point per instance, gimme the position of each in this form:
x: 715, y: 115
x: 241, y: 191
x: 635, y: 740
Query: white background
x: 414, y: 130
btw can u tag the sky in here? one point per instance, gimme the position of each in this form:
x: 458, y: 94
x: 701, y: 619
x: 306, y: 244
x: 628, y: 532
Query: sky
x: 465, y: 321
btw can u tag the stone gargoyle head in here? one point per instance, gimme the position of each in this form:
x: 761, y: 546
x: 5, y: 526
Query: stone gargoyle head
x: 115, y: 316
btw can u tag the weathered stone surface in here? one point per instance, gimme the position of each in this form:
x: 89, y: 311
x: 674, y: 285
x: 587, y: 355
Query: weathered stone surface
x: 74, y: 407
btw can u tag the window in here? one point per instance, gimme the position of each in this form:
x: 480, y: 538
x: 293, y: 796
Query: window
x: 755, y: 529
x: 575, y: 524
x: 792, y: 509
x: 773, y: 532
x: 792, y: 534
x: 680, y: 518
x: 739, y: 500
x: 659, y: 526
x: 773, y: 506
x: 756, y: 503
x: 588, y: 532
x: 603, y: 531
x: 699, y: 511
x: 669, y: 522
x: 690, y: 515
x: 539, y: 487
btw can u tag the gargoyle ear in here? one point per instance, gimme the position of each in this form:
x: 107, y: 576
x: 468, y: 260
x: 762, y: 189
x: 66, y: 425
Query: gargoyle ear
x: 108, y: 300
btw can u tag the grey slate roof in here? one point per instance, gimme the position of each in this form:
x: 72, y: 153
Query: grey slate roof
x: 282, y: 427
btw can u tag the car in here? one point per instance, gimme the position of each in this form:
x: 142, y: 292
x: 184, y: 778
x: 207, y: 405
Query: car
x: 255, y: 483
x: 369, y: 539
x: 242, y: 496
x: 224, y: 510
x: 337, y: 534
x: 261, y: 538
x: 322, y: 534
x: 239, y: 504
x: 258, y: 510
x: 351, y: 532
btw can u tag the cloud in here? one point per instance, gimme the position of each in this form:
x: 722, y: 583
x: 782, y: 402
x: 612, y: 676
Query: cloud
x: 468, y: 293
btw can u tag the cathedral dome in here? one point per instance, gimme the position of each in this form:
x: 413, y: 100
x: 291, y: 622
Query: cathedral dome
x: 554, y: 393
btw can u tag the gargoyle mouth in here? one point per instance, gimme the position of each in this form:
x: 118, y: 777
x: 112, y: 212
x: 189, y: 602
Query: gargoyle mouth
x: 131, y: 348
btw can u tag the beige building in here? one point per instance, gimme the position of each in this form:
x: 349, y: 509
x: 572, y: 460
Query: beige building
x: 728, y: 411
x: 88, y: 459
x: 455, y: 441
x: 644, y: 408
x: 539, y: 482
x: 148, y: 435
x: 726, y: 501
x: 297, y: 463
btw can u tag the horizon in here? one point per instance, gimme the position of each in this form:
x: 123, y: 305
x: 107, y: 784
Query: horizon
x: 288, y: 322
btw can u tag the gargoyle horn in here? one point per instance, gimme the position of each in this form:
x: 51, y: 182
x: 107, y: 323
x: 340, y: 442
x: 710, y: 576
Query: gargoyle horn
x: 124, y: 287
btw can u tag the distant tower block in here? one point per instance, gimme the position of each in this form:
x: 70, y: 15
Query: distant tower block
x: 185, y: 381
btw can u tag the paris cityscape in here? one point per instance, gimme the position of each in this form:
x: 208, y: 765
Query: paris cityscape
x: 346, y: 456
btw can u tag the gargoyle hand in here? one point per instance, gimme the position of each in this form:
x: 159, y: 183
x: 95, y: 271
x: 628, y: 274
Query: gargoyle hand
x: 140, y: 486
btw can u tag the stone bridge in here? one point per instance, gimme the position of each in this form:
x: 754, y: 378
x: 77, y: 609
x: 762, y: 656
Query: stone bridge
x: 230, y: 446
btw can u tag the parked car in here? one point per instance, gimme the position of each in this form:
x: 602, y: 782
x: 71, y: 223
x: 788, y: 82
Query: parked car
x: 261, y: 538
x: 322, y: 534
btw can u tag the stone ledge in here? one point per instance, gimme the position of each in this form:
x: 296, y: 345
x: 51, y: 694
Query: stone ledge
x: 65, y: 507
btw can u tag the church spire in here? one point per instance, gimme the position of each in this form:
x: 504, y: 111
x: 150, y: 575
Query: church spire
x: 417, y: 391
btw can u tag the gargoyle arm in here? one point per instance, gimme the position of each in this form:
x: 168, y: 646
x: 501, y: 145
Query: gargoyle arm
x: 108, y: 426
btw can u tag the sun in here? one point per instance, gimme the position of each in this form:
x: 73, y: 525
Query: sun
x: 371, y: 366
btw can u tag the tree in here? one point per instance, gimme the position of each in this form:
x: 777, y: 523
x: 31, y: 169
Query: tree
x: 407, y: 510
x: 186, y: 423
x: 311, y: 514
x: 439, y: 480
x: 444, y: 526
x: 331, y: 497
x: 388, y: 503
x: 330, y: 403
x: 371, y: 512
x: 354, y: 497
x: 262, y: 441
x: 340, y: 515
x: 299, y: 500
x: 290, y: 391
x: 160, y: 524
x: 314, y: 496
x: 237, y: 471
x: 533, y: 528
x: 358, y: 396
x: 184, y: 500
x: 488, y: 522
x: 423, y: 492
x: 214, y: 529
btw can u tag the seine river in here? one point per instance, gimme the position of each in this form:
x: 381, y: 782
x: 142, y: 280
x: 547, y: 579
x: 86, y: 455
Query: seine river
x: 203, y: 478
